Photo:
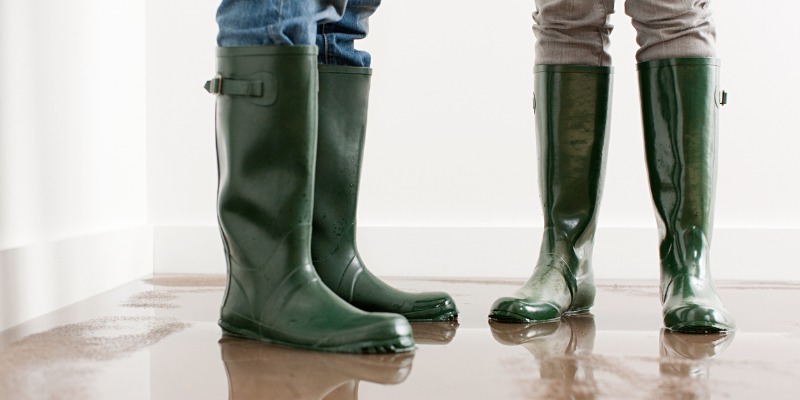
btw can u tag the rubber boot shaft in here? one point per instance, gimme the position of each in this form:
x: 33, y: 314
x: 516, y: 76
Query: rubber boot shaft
x: 266, y: 149
x: 572, y: 120
x: 680, y: 101
x: 343, y: 103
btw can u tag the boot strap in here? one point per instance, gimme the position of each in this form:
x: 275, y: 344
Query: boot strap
x: 235, y: 87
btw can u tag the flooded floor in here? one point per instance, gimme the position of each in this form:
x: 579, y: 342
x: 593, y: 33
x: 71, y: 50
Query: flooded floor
x: 158, y: 339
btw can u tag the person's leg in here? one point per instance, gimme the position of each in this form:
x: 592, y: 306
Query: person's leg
x: 274, y: 22
x: 572, y: 107
x: 680, y: 99
x: 672, y: 28
x: 266, y: 126
x: 335, y: 39
x: 343, y: 102
x: 573, y: 31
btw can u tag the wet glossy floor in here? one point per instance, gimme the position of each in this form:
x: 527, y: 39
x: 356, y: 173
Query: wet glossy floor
x: 158, y: 339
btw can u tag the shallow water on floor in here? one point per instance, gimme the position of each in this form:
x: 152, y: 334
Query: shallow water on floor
x: 158, y: 339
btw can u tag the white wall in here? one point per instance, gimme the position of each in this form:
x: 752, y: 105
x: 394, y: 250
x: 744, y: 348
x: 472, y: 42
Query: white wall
x: 182, y: 168
x: 72, y: 151
x: 72, y: 112
x: 451, y: 143
x: 451, y: 138
x: 451, y: 127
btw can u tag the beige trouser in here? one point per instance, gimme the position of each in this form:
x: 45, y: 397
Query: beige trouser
x: 577, y: 31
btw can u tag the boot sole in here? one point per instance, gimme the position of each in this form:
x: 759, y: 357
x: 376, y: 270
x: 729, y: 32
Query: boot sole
x: 508, y: 317
x: 450, y: 316
x: 400, y: 344
x: 700, y: 328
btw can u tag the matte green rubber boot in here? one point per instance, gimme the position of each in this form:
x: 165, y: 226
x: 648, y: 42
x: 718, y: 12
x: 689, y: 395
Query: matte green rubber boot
x: 343, y: 98
x: 572, y: 119
x: 266, y: 148
x: 680, y: 104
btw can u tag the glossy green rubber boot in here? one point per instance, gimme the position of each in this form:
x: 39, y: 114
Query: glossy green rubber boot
x: 266, y: 148
x: 680, y: 104
x: 343, y: 98
x: 572, y: 119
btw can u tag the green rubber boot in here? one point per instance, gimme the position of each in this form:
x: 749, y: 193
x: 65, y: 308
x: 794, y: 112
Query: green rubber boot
x: 680, y: 104
x: 266, y: 148
x: 343, y: 98
x: 572, y: 119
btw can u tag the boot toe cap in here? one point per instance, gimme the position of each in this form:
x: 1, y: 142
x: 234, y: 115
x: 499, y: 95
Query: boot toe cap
x: 511, y: 309
x: 432, y: 306
x: 698, y: 318
x: 375, y: 333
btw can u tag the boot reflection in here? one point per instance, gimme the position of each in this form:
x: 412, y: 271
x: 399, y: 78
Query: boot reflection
x: 686, y: 362
x: 435, y: 333
x: 259, y: 370
x: 563, y: 350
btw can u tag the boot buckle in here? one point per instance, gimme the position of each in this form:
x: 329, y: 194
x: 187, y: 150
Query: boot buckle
x: 214, y: 86
x: 720, y: 97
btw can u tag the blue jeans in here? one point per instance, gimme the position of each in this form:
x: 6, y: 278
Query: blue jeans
x: 332, y: 24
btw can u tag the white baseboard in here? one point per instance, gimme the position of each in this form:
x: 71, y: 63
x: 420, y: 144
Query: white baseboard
x: 37, y: 279
x: 41, y: 278
x: 491, y: 252
x: 187, y: 249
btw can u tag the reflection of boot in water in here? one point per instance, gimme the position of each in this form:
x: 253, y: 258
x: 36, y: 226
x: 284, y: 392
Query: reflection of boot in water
x: 258, y: 370
x: 685, y: 363
x: 562, y: 349
x: 434, y: 332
